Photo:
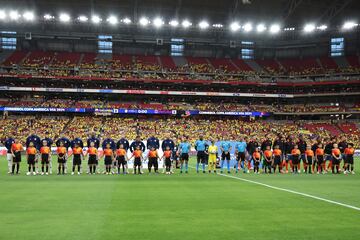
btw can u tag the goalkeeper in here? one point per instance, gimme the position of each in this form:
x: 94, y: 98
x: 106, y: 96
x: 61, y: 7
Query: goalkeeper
x: 212, y: 150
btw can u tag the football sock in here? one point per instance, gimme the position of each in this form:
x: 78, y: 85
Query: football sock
x: 186, y: 166
x: 203, y: 166
x: 29, y: 168
x: 222, y: 164
x: 17, y: 167
x: 47, y: 168
x: 228, y: 165
x: 197, y: 166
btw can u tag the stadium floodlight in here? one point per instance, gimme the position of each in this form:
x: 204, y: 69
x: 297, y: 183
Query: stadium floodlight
x: 322, y: 27
x: 96, y: 19
x: 289, y: 29
x: 310, y: 27
x: 248, y: 27
x: 112, y: 20
x: 235, y: 26
x: 218, y: 25
x: 48, y: 17
x: 29, y: 16
x: 14, y: 15
x: 203, y: 25
x: 158, y: 22
x: 186, y: 23
x: 349, y: 25
x: 260, y: 28
x: 126, y: 20
x: 174, y: 23
x: 275, y: 28
x: 64, y: 17
x: 83, y: 18
x: 2, y: 15
x: 144, y: 21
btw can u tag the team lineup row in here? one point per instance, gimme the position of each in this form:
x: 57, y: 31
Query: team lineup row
x: 270, y: 156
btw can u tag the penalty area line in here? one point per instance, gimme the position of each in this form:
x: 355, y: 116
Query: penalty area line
x: 291, y: 191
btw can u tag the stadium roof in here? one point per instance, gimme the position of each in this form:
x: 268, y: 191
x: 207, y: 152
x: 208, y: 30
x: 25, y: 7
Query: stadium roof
x: 293, y: 12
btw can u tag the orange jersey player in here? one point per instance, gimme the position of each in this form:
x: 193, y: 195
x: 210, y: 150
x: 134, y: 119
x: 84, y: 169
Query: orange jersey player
x: 349, y: 158
x: 309, y: 158
x: 277, y: 159
x: 109, y: 158
x: 16, y: 149
x: 268, y: 157
x: 257, y: 158
x: 138, y: 157
x: 295, y: 155
x: 121, y: 158
x: 45, y: 152
x: 92, y: 154
x: 153, y: 160
x: 77, y: 153
x: 336, y: 159
x: 61, y: 153
x: 319, y: 157
x: 167, y: 158
x: 31, y: 152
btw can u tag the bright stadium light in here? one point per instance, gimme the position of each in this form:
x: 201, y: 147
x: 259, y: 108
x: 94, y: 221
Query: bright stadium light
x: 158, y: 22
x: 235, y: 26
x: 174, y: 23
x: 349, y: 25
x: 64, y: 17
x: 248, y: 27
x: 126, y: 20
x: 83, y: 18
x: 186, y: 23
x: 310, y: 27
x: 144, y: 21
x: 29, y: 16
x: 218, y: 25
x: 96, y: 19
x: 14, y: 15
x: 112, y: 20
x: 2, y: 15
x: 322, y: 27
x: 203, y: 25
x: 48, y: 17
x: 260, y: 28
x: 275, y: 28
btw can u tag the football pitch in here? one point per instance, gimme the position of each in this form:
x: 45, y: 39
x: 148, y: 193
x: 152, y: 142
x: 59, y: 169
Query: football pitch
x: 187, y: 206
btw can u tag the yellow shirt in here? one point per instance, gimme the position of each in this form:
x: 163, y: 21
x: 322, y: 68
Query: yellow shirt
x: 213, y: 149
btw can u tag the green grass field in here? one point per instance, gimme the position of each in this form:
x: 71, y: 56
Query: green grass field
x: 193, y: 206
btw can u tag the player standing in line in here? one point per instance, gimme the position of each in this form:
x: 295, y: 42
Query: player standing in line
x: 302, y: 145
x: 96, y: 141
x: 61, y: 153
x: 153, y: 157
x: 66, y: 143
x: 9, y: 157
x: 319, y: 156
x: 310, y: 163
x: 112, y: 144
x: 31, y: 152
x: 109, y: 158
x: 289, y: 146
x: 257, y: 158
x: 77, y: 153
x: 295, y: 156
x: 138, y: 158
x: 268, y: 159
x: 266, y: 143
x: 16, y: 149
x: 212, y: 150
x: 184, y: 149
x: 250, y: 148
x: 49, y: 142
x: 277, y: 158
x: 336, y: 159
x: 328, y: 154
x: 79, y: 142
x: 168, y: 143
x: 200, y: 147
x: 45, y: 152
x: 167, y: 159
x: 349, y: 158
x: 240, y: 152
x: 138, y: 143
x: 225, y: 148
x: 121, y: 158
x: 92, y: 153
x: 37, y: 144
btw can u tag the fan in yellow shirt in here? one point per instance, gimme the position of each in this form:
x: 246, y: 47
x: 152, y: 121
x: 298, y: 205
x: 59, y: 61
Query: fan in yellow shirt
x: 212, y: 150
